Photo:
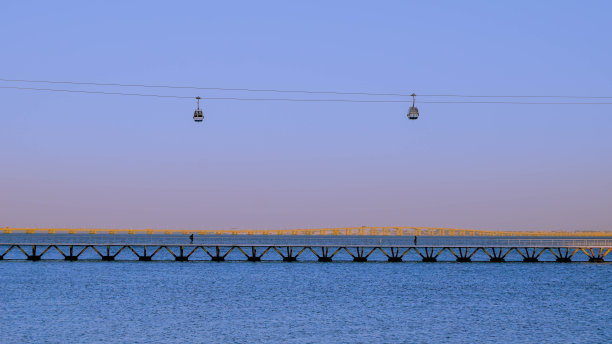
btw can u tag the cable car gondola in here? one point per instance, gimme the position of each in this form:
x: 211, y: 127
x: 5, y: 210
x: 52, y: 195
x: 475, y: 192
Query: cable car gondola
x: 198, y: 115
x: 414, y: 111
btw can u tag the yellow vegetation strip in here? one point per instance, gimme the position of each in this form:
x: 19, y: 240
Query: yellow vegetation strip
x: 356, y: 231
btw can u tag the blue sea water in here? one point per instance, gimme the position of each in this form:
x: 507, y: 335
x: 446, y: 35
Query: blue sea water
x: 304, y: 302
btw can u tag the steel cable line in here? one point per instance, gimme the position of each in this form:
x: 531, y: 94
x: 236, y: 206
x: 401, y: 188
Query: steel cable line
x: 206, y: 98
x: 301, y: 91
x: 96, y: 92
x: 300, y: 100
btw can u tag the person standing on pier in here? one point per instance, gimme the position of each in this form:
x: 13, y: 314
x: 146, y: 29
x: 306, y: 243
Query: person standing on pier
x: 191, y: 238
x: 415, y: 240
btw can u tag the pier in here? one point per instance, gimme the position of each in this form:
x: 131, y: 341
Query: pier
x: 292, y: 246
x: 323, y: 253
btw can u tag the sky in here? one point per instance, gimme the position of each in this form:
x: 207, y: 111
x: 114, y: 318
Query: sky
x: 108, y: 161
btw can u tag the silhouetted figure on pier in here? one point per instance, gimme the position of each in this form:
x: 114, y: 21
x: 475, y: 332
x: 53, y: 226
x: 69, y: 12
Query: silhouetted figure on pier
x: 415, y: 240
x: 191, y: 238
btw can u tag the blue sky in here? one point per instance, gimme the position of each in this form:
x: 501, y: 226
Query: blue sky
x: 75, y: 160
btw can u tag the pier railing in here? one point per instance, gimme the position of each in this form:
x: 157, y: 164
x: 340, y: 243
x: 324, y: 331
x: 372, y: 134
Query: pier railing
x: 302, y: 240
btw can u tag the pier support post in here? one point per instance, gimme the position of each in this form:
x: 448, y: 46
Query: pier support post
x: 394, y: 256
x: 530, y: 257
x: 144, y: 257
x: 464, y: 256
x: 107, y: 257
x: 216, y: 256
x: 288, y: 256
x: 429, y: 256
x: 33, y: 256
x: 181, y: 257
x: 596, y: 257
x: 110, y: 257
x: 497, y: 255
x: 71, y: 257
x: 360, y: 254
x: 324, y: 257
x: 563, y: 256
x: 253, y: 257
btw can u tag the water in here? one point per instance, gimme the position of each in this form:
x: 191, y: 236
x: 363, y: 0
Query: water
x: 304, y: 302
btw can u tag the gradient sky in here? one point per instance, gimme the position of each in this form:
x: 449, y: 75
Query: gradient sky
x: 74, y: 160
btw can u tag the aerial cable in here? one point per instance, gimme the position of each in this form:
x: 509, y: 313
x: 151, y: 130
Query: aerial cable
x: 96, y: 92
x: 198, y: 115
x: 303, y: 100
x: 301, y: 91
